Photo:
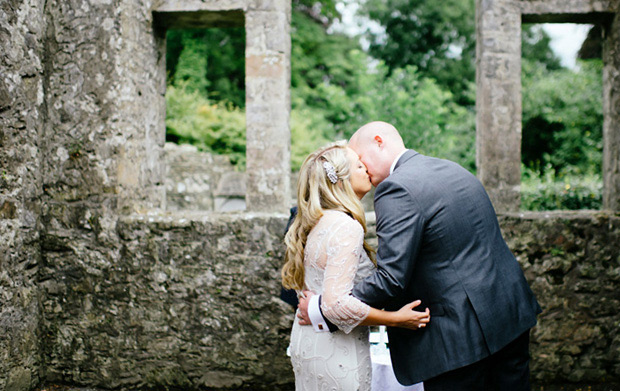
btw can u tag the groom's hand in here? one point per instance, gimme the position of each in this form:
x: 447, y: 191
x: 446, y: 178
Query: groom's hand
x: 304, y: 319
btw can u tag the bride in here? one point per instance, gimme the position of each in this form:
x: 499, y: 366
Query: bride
x: 326, y: 253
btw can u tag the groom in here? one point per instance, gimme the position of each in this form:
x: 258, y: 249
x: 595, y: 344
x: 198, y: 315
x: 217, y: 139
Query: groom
x: 440, y: 241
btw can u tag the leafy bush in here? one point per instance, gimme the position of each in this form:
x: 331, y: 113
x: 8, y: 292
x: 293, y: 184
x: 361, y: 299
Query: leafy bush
x: 215, y: 127
x: 566, y: 192
x: 563, y: 117
x: 426, y: 115
x: 307, y: 134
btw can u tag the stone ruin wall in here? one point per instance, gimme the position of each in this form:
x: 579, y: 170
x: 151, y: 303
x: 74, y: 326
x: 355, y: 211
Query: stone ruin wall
x: 21, y: 124
x: 82, y: 130
x: 572, y: 262
x: 101, y: 286
x: 192, y: 302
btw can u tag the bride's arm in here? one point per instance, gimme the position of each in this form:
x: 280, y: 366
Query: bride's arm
x: 344, y: 247
x: 343, y: 250
x: 406, y: 317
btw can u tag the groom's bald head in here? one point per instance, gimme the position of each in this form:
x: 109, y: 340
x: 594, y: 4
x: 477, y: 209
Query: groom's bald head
x: 377, y: 144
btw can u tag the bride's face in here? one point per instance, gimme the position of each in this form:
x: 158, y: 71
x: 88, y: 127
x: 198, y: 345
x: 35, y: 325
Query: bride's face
x: 360, y: 181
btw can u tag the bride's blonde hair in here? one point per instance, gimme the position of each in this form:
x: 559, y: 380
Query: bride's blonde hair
x: 316, y: 193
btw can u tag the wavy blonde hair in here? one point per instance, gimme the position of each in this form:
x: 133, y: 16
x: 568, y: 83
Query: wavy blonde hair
x: 316, y: 193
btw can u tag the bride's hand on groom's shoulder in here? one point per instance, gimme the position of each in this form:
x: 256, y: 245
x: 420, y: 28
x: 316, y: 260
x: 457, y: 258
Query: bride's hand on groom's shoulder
x: 407, y: 317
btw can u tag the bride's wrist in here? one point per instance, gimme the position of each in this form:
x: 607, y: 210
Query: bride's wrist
x: 393, y: 320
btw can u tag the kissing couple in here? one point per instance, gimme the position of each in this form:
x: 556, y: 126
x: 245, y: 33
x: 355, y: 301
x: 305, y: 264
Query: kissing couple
x: 456, y: 304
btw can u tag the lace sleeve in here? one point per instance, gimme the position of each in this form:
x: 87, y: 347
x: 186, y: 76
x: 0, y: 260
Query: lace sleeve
x: 344, y: 246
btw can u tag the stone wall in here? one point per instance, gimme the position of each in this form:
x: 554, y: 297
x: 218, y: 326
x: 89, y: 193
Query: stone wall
x: 190, y: 302
x: 22, y: 30
x: 200, y: 181
x: 572, y: 261
x: 104, y: 88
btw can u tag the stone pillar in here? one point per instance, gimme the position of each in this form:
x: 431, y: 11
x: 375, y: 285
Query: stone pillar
x: 268, y: 48
x: 100, y: 146
x: 498, y: 101
x: 141, y: 71
x: 611, y: 112
x: 22, y: 33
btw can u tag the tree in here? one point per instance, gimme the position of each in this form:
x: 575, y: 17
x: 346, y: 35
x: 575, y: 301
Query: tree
x: 215, y: 55
x: 438, y: 37
x: 563, y: 118
x: 536, y: 47
x: 424, y: 113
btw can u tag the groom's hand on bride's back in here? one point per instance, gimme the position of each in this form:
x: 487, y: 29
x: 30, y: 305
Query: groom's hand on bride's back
x: 302, y: 314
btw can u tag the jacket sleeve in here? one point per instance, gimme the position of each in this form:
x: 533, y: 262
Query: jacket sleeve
x: 400, y: 226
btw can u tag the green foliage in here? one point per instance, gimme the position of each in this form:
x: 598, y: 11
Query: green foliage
x: 562, y: 129
x: 326, y: 70
x: 218, y: 128
x: 324, y: 10
x: 210, y: 61
x: 566, y: 192
x: 306, y: 134
x: 334, y: 78
x: 426, y: 116
x: 535, y: 47
x: 191, y: 66
x: 563, y: 118
x: 438, y: 37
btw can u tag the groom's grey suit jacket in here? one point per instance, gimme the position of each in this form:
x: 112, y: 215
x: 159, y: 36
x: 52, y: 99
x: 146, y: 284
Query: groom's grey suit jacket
x: 440, y: 242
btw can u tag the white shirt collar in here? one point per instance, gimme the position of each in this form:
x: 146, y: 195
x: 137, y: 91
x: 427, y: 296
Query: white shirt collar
x: 396, y: 160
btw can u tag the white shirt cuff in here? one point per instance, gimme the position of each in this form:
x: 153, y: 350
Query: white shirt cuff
x: 314, y: 312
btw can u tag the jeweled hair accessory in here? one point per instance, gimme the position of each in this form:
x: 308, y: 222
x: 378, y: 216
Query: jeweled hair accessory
x: 331, y: 172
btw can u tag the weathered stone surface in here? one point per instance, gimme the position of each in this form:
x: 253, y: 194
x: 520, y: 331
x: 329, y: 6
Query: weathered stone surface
x: 22, y: 29
x: 104, y: 130
x: 191, y: 300
x: 187, y: 301
x: 201, y: 181
x: 498, y: 101
x: 194, y: 179
x: 268, y: 72
x: 548, y: 8
x: 572, y: 261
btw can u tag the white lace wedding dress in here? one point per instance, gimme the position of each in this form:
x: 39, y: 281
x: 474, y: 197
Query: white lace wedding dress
x: 334, y: 261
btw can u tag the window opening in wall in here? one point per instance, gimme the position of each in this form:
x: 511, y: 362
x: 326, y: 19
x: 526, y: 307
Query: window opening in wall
x: 562, y: 139
x: 205, y: 119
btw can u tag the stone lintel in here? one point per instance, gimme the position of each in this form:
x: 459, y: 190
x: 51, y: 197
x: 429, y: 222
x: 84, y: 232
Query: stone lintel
x: 199, y: 5
x: 198, y: 19
x: 575, y: 7
x: 164, y: 6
